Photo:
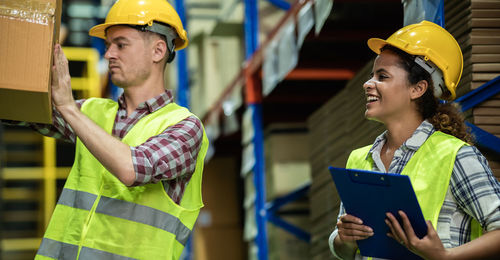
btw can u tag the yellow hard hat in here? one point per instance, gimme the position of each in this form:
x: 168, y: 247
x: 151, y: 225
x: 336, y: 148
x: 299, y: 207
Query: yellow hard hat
x: 434, y: 44
x: 142, y: 12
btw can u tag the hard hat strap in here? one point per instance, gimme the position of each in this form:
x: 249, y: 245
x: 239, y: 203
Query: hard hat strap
x: 164, y: 30
x: 435, y: 73
x: 161, y: 29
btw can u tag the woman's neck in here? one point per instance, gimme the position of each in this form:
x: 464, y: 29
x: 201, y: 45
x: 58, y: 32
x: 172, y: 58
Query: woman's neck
x: 400, y: 131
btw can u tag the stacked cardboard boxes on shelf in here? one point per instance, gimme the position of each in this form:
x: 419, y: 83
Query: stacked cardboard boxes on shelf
x: 476, y: 26
x: 284, y: 245
x: 336, y: 129
x: 218, y: 232
x: 286, y: 149
x: 287, y: 169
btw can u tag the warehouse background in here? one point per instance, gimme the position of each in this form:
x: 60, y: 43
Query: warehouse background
x: 280, y: 104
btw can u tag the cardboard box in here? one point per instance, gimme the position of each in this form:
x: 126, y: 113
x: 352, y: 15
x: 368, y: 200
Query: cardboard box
x: 219, y: 243
x: 283, y: 244
x: 287, y: 160
x: 28, y: 31
x: 221, y: 195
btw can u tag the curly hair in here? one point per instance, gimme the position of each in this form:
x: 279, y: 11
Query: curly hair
x: 445, y: 117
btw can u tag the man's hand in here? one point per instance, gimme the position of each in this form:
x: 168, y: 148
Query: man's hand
x: 62, y: 95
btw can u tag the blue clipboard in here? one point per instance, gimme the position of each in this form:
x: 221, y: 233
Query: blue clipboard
x: 369, y: 195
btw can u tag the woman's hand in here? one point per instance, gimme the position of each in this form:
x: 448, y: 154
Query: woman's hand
x: 351, y: 229
x: 429, y: 247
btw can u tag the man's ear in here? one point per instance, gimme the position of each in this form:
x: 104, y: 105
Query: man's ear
x: 159, y: 50
x: 418, y: 89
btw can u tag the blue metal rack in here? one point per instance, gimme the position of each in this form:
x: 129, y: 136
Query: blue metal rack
x: 251, y: 45
x: 264, y: 211
x: 472, y: 99
x: 273, y: 207
x: 182, y: 67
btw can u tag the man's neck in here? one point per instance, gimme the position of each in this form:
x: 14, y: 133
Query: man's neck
x: 136, y: 95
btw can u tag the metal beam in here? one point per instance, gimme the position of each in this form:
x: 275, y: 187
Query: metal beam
x: 182, y: 67
x: 477, y: 96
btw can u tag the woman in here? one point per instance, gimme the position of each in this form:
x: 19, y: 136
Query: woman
x: 459, y: 197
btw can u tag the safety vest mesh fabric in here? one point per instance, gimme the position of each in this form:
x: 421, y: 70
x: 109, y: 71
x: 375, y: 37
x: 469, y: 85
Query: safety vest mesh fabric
x: 429, y: 169
x: 98, y: 217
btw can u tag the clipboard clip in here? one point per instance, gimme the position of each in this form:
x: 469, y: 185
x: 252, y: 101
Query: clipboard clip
x: 369, y: 178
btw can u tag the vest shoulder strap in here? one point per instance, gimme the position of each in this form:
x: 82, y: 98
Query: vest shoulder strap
x: 358, y: 159
x: 102, y: 111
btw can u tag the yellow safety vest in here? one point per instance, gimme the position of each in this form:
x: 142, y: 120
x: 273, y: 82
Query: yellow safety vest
x: 429, y: 169
x: 98, y: 217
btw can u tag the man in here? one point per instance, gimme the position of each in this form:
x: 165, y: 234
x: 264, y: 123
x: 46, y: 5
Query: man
x: 134, y: 191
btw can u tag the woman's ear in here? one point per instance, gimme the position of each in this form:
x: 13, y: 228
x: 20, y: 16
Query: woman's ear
x: 418, y: 89
x: 159, y: 50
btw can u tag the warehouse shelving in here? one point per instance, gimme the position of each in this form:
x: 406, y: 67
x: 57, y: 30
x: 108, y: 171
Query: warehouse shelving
x: 251, y: 77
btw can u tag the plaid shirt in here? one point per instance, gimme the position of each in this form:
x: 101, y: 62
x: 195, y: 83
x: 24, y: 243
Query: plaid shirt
x: 169, y: 157
x: 473, y: 191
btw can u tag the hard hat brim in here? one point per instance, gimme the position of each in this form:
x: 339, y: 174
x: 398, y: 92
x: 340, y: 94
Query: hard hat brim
x: 375, y: 44
x: 99, y: 31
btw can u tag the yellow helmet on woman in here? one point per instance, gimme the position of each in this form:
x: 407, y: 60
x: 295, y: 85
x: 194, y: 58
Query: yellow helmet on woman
x: 429, y: 42
x: 143, y: 12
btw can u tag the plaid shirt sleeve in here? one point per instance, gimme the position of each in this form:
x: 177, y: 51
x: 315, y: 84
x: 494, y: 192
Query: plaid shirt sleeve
x: 59, y: 129
x: 169, y: 155
x: 475, y: 189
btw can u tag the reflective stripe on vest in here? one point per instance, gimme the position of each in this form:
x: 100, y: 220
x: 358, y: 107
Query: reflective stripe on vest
x: 59, y: 250
x: 127, y: 210
x: 429, y: 169
x: 103, y: 219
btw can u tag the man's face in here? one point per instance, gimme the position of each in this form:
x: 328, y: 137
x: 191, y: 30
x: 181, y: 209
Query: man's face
x: 129, y: 56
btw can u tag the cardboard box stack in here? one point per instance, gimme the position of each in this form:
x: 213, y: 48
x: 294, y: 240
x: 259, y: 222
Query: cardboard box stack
x: 476, y: 26
x: 286, y: 149
x: 284, y: 245
x: 287, y: 169
x: 218, y: 232
x: 28, y: 31
x: 336, y: 129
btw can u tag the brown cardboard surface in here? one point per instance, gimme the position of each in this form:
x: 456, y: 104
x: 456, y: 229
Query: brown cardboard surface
x: 486, y: 111
x: 487, y: 120
x: 26, y: 46
x: 485, y: 22
x: 487, y: 58
x: 486, y: 67
x: 219, y: 243
x: 485, y: 13
x: 486, y: 49
x: 484, y: 4
x: 220, y: 194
